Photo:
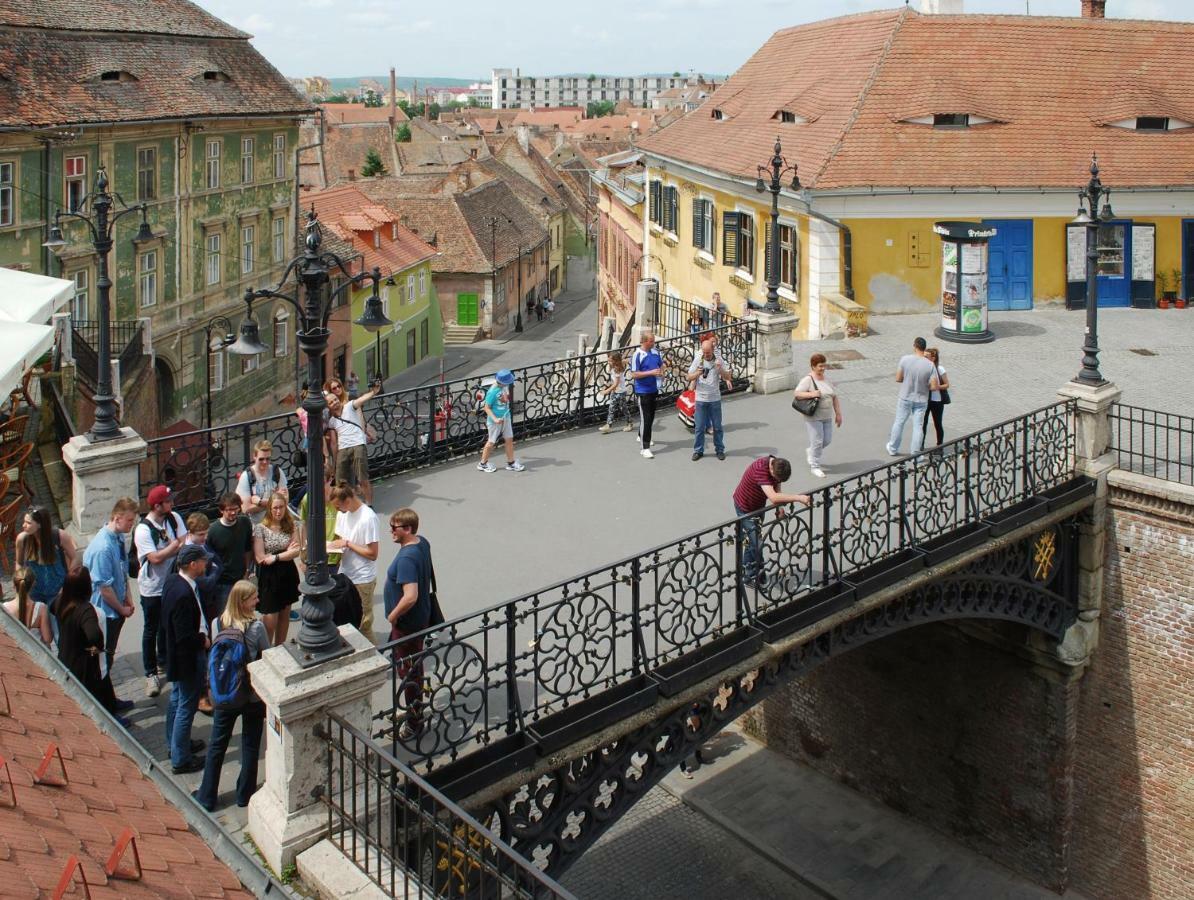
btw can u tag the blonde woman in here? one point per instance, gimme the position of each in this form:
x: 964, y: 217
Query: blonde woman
x: 240, y: 614
x: 276, y: 546
x: 30, y: 613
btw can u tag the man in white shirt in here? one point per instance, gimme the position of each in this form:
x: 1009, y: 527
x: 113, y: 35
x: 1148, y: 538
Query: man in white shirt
x: 357, y: 540
x: 156, y: 540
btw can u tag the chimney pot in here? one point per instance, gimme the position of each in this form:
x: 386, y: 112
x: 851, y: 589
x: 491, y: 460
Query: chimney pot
x: 1094, y: 9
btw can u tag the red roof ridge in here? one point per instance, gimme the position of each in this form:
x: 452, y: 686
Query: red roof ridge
x: 836, y: 20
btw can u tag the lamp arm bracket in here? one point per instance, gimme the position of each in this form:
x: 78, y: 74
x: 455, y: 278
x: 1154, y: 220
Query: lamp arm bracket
x: 63, y: 214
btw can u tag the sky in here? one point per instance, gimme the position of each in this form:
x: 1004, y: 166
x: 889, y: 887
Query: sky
x: 468, y: 38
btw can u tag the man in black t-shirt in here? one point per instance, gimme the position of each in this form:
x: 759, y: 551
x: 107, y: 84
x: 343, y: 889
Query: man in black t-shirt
x: 230, y: 538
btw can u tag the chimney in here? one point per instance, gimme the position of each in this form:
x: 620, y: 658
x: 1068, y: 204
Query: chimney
x: 352, y: 174
x: 1093, y: 9
x: 393, y: 100
x: 524, y: 137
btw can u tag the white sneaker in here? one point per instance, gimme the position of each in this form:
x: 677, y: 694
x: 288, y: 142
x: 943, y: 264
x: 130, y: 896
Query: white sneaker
x: 808, y: 454
x: 153, y: 686
x: 892, y: 451
x: 818, y: 472
x: 605, y: 429
x: 486, y: 467
x: 628, y: 428
x: 646, y: 453
x: 515, y: 466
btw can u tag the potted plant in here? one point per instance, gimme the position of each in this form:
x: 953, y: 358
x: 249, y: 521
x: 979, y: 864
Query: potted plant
x: 1163, y: 282
x: 1178, y: 300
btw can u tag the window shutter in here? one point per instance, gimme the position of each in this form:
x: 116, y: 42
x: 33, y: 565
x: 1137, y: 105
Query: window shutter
x: 657, y: 202
x: 767, y: 251
x: 673, y: 208
x: 698, y: 223
x: 729, y: 238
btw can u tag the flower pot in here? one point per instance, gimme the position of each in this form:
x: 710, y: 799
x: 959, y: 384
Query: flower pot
x: 1163, y: 303
x: 1179, y: 303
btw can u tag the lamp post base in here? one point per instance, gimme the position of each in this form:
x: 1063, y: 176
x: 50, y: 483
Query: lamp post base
x: 318, y: 639
x: 964, y: 337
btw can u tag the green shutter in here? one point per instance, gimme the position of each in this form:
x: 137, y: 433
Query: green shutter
x: 767, y: 251
x: 698, y: 223
x: 656, y: 197
x: 729, y: 238
x: 673, y: 208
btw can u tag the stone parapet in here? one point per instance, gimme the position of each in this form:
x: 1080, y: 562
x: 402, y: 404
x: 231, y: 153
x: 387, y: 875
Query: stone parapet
x: 774, y: 366
x: 102, y: 472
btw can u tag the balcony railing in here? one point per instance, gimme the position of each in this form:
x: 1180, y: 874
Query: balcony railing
x: 1153, y: 443
x: 675, y: 317
x: 127, y: 345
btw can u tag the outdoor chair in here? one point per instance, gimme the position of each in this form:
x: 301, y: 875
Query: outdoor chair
x: 10, y: 515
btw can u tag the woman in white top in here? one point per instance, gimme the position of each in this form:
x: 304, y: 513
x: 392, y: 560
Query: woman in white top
x: 30, y: 613
x: 936, y: 407
x: 829, y: 411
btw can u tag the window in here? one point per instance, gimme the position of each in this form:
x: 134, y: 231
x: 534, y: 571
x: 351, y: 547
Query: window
x: 410, y: 288
x: 424, y: 338
x: 248, y: 235
x: 248, y: 364
x: 147, y: 173
x: 788, y: 270
x: 80, y: 307
x: 951, y: 120
x: 7, y: 188
x: 246, y: 161
x: 148, y: 277
x: 746, y: 242
x: 279, y: 156
x: 671, y: 209
x: 281, y: 335
x: 385, y: 300
x: 213, y: 259
x: 279, y: 239
x: 738, y: 240
x: 215, y: 369
x: 213, y: 164
x: 656, y: 202
x: 702, y: 225
x: 1152, y: 123
x: 370, y: 363
x: 412, y: 349
x: 423, y: 284
x: 75, y: 172
x: 788, y: 118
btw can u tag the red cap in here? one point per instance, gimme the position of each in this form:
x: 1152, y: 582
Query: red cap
x: 159, y: 494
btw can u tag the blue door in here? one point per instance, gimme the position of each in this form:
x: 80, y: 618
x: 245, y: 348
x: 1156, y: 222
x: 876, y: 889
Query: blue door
x: 1115, y: 259
x: 1009, y: 264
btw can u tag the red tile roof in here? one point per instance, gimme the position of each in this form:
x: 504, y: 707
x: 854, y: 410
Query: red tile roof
x: 105, y: 793
x: 353, y: 216
x: 549, y: 118
x: 1050, y: 83
x: 357, y: 113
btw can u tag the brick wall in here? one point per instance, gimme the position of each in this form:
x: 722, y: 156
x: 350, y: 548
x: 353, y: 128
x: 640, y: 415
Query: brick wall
x: 1134, y: 770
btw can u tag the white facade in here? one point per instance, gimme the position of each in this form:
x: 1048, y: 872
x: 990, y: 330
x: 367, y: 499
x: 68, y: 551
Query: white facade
x: 512, y: 90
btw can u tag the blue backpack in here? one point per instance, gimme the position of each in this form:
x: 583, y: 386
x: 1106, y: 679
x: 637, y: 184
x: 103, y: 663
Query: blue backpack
x: 228, y: 670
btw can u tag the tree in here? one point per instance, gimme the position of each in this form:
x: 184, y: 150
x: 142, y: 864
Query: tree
x: 402, y: 133
x: 372, y: 98
x: 472, y: 103
x: 336, y: 98
x: 373, y: 165
x: 598, y: 108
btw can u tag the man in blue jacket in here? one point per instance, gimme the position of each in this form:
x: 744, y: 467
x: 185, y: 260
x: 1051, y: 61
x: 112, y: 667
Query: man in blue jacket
x: 186, y: 655
x: 646, y: 365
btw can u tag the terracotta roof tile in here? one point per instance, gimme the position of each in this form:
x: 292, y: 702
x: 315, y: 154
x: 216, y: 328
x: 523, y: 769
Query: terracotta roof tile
x: 358, y: 113
x: 345, y: 148
x: 155, y: 16
x: 353, y: 216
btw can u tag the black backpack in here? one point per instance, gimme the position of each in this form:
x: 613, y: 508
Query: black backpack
x: 277, y: 473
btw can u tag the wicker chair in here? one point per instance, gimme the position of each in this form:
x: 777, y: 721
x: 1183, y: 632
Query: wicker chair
x: 10, y: 517
x: 14, y: 457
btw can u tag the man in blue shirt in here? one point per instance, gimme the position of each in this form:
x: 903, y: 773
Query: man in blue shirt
x: 106, y: 558
x: 645, y: 368
x: 407, y: 602
x: 497, y: 420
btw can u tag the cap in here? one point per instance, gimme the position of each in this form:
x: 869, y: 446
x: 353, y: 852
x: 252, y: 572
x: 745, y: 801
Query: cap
x: 191, y: 552
x: 505, y: 376
x: 159, y: 494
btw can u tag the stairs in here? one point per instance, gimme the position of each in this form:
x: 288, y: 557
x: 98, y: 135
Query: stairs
x: 459, y: 335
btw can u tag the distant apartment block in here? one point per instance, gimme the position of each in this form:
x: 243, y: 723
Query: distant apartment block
x: 513, y: 90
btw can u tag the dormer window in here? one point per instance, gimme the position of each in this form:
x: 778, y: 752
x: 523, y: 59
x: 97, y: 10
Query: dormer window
x: 215, y: 75
x: 1152, y: 123
x: 788, y: 118
x: 717, y: 116
x: 117, y: 75
x: 951, y: 120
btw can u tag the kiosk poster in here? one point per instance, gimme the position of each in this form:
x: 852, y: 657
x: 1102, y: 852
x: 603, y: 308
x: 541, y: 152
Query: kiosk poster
x: 974, y: 303
x: 949, y: 286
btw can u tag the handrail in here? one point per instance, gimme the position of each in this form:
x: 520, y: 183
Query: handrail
x: 1150, y: 442
x: 570, y: 640
x: 673, y: 313
x: 405, y: 835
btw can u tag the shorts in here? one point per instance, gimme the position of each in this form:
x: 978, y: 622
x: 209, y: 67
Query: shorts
x: 499, y: 430
x: 352, y: 464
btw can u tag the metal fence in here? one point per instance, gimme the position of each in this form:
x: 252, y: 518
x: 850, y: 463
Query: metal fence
x: 675, y: 317
x: 1153, y: 443
x: 127, y: 341
x: 410, y: 839
x: 497, y: 672
x: 427, y: 425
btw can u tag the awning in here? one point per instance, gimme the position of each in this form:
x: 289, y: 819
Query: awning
x: 25, y: 297
x: 21, y: 345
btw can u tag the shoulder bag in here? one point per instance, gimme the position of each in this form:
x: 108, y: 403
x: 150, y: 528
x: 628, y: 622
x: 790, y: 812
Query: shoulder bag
x: 944, y: 392
x: 807, y: 406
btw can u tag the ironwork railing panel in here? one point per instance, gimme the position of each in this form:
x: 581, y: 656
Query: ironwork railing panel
x: 410, y: 839
x: 431, y: 424
x: 1150, y: 442
x: 674, y: 317
x: 487, y: 675
x: 127, y: 344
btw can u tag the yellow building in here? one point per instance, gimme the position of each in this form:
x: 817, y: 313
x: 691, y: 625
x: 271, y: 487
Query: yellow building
x: 891, y: 135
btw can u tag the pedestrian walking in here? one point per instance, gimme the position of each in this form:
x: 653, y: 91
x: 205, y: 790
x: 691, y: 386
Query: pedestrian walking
x: 618, y: 392
x: 157, y: 538
x: 186, y: 660
x: 407, y: 602
x: 230, y: 538
x: 646, y: 365
x: 549, y: 307
x: 498, y: 421
x: 538, y: 311
x: 913, y: 375
x: 237, y: 624
x: 49, y: 553
x: 107, y: 561
x: 81, y: 641
x: 357, y: 540
x: 706, y: 374
x: 347, y: 420
x: 29, y: 612
x: 260, y: 481
x: 759, y: 486
x: 827, y: 415
x: 276, y: 546
x: 938, y: 395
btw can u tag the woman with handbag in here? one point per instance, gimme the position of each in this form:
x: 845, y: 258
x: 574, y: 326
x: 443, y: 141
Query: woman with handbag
x: 816, y: 399
x: 938, y: 394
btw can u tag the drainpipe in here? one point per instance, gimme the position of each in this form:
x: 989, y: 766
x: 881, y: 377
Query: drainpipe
x: 47, y: 255
x: 847, y: 249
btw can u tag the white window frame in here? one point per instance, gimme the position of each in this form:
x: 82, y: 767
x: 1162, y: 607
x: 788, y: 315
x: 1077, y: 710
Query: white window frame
x: 248, y: 363
x: 708, y: 217
x: 385, y: 300
x: 214, y: 157
x: 151, y: 170
x: 212, y: 258
x: 281, y: 333
x: 248, y: 248
x: 80, y: 307
x: 422, y: 284
x: 280, y: 155
x: 147, y: 277
x: 279, y: 238
x: 410, y: 288
x: 8, y: 193
x: 247, y: 148
x: 217, y: 369
x: 74, y: 182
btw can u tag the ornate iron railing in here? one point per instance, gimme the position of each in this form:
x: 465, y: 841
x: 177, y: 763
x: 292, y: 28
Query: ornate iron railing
x: 675, y: 317
x: 427, y: 425
x: 127, y: 345
x: 410, y: 839
x: 495, y: 672
x: 1153, y: 443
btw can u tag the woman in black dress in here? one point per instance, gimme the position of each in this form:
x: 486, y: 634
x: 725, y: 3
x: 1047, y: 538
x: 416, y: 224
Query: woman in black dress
x: 81, y: 640
x: 276, y: 546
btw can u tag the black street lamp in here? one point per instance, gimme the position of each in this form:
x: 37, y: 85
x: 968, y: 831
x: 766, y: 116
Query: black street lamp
x: 101, y: 223
x: 318, y: 639
x: 224, y: 338
x: 1091, y: 216
x: 777, y: 169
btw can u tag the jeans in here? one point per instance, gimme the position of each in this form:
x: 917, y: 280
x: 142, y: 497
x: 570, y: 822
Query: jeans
x: 646, y: 409
x: 820, y: 435
x: 153, y: 639
x: 752, y: 547
x: 906, y: 409
x: 112, y: 629
x: 708, y: 413
x: 180, y: 713
x: 252, y: 724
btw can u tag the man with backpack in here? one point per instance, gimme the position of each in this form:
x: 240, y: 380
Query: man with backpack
x: 156, y: 542
x: 260, y: 481
x: 186, y: 659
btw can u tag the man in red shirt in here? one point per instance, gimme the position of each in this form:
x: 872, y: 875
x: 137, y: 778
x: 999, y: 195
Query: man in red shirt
x: 759, y: 486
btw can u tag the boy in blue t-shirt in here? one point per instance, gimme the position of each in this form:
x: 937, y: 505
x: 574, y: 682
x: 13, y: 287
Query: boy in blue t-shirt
x: 497, y: 420
x: 646, y: 366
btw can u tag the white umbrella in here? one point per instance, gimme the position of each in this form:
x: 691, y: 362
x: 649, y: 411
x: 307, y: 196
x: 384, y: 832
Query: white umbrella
x: 21, y: 344
x: 25, y: 297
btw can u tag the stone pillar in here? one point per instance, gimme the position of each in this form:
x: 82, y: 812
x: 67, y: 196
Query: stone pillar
x: 1092, y: 437
x: 103, y: 472
x: 774, y: 371
x: 644, y: 309
x: 824, y: 270
x: 285, y: 815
